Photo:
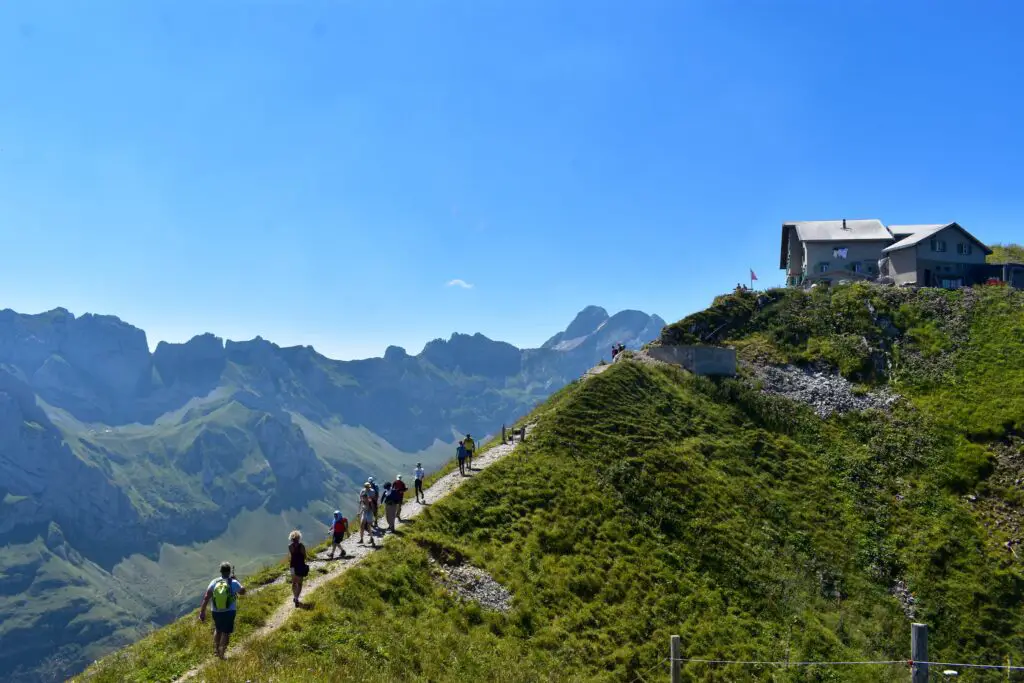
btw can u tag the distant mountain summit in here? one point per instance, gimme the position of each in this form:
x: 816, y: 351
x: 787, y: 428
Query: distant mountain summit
x: 109, y: 452
x: 593, y: 328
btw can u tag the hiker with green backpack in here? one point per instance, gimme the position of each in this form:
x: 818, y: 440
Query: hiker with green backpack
x: 223, y: 592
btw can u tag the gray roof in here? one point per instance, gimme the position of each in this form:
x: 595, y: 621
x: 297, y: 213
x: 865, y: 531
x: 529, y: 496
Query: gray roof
x: 870, y: 229
x: 905, y: 230
x: 829, y: 231
x: 926, y: 232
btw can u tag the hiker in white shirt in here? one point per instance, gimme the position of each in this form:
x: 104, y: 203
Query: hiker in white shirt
x: 418, y: 475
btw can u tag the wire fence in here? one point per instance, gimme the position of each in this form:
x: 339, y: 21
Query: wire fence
x: 640, y: 678
x: 937, y: 670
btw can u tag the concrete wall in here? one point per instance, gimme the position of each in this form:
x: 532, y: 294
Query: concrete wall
x: 795, y: 253
x: 904, y: 266
x: 866, y: 253
x: 700, y: 360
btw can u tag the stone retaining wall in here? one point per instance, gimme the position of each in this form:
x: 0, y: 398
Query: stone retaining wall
x: 700, y: 360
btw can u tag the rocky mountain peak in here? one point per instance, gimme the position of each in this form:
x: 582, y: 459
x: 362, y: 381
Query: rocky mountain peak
x: 586, y: 322
x: 394, y: 353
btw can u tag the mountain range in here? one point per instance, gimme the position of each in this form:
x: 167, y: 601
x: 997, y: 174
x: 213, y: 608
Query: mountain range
x: 126, y: 474
x: 862, y: 473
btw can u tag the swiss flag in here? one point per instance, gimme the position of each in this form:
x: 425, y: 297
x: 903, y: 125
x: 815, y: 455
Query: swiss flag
x: 753, y: 275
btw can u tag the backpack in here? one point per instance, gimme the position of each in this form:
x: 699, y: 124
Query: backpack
x: 470, y: 445
x: 223, y: 596
x: 340, y: 525
x: 391, y: 497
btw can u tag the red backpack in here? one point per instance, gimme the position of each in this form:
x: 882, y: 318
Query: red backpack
x: 340, y: 525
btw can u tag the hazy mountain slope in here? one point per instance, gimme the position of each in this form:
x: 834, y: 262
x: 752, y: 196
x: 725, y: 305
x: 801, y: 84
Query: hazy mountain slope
x: 153, y: 465
x: 650, y: 502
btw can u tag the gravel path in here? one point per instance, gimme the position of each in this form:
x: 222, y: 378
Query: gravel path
x: 356, y: 552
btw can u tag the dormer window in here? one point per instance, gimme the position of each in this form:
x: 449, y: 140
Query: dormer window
x: 963, y: 248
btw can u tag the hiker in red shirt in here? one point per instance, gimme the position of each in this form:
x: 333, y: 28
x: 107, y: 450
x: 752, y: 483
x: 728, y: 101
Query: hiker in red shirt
x: 338, y: 528
x: 399, y: 487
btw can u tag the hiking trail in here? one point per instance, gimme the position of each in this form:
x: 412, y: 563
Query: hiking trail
x: 355, y: 552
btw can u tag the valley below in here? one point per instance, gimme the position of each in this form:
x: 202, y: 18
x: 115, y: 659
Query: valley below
x: 126, y: 476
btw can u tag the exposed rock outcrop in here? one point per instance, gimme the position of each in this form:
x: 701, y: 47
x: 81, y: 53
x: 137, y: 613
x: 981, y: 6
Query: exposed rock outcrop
x: 826, y: 393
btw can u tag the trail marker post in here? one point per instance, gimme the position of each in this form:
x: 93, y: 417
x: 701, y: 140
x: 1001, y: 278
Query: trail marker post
x: 919, y: 653
x: 676, y: 654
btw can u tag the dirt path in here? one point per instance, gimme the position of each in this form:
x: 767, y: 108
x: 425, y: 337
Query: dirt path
x: 356, y: 552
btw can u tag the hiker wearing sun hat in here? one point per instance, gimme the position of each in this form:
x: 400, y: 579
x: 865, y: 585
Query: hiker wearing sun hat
x: 366, y: 513
x: 399, y: 487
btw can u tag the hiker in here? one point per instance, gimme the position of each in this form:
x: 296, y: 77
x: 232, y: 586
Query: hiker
x: 297, y: 563
x: 470, y: 448
x: 419, y: 475
x: 460, y: 454
x: 366, y: 513
x: 338, y: 528
x: 390, y: 500
x: 399, y: 487
x: 223, y: 592
x: 374, y: 501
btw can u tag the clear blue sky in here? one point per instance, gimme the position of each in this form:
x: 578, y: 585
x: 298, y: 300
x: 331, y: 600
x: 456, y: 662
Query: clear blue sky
x: 315, y: 172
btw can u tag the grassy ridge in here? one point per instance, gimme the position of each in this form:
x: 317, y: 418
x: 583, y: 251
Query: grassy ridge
x: 649, y: 502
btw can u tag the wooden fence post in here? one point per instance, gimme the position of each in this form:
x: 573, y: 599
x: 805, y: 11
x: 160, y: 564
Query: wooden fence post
x: 676, y: 654
x: 919, y: 653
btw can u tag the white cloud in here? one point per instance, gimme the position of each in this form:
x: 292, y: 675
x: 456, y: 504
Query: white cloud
x: 459, y: 283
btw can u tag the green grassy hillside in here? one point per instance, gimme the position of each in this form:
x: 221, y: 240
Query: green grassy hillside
x: 649, y: 502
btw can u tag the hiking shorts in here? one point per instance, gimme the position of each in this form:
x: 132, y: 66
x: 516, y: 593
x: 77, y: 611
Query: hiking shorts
x: 338, y: 538
x: 224, y: 622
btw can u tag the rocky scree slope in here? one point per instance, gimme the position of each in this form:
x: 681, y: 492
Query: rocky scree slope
x: 109, y: 452
x: 650, y: 502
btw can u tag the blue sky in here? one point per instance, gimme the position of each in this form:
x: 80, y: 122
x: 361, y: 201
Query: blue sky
x: 316, y: 172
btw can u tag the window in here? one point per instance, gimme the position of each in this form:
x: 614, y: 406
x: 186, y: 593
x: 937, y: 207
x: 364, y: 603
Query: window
x: 839, y: 252
x: 963, y: 248
x: 858, y: 267
x: 951, y: 283
x: 823, y: 267
x: 938, y: 245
